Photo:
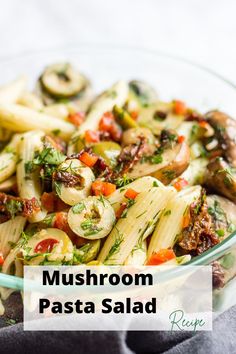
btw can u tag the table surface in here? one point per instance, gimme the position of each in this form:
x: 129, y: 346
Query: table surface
x: 200, y: 30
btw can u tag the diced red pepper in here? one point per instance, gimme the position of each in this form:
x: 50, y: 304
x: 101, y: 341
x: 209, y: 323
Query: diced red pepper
x: 46, y: 245
x: 203, y: 124
x: 97, y: 187
x: 88, y: 159
x: 180, y: 184
x: 106, y: 122
x: 48, y: 200
x: 104, y: 188
x: 51, y: 202
x: 131, y: 194
x: 179, y: 107
x: 1, y: 259
x: 120, y: 210
x: 109, y: 188
x: 91, y: 136
x: 61, y: 223
x: 186, y: 220
x: 76, y: 118
x: 115, y: 132
x: 181, y: 139
x: 162, y: 256
x: 215, y: 153
x: 134, y: 115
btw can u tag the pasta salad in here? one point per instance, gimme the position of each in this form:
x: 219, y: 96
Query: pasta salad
x: 121, y: 178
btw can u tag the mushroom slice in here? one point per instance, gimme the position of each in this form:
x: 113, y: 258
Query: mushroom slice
x: 221, y: 178
x: 132, y: 135
x: 225, y: 131
x: 172, y: 163
x: 92, y: 218
x: 223, y: 213
x: 62, y: 80
x: 73, y: 181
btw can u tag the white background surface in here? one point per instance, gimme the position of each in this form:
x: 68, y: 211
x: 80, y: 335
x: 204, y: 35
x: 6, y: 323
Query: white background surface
x: 200, y: 30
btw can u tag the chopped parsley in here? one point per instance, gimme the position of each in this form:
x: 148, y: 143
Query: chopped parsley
x: 123, y: 181
x: 78, y: 208
x: 129, y: 203
x: 167, y: 212
x: 144, y: 212
x: 29, y: 167
x: 217, y: 212
x: 169, y: 174
x: 220, y: 232
x: 49, y: 219
x: 57, y: 187
x: 156, y: 159
x: 49, y: 156
x: 14, y: 207
x: 56, y: 132
x: 10, y: 321
x: 90, y: 228
x: 119, y: 238
x: 155, y: 184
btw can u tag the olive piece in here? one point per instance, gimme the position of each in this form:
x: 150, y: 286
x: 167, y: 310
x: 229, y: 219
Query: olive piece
x: 123, y: 118
x: 108, y: 150
x: 62, y: 80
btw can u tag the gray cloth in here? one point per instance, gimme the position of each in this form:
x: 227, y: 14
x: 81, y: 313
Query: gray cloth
x: 222, y: 340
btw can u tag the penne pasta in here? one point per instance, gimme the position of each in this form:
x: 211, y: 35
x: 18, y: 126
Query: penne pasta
x: 10, y: 93
x: 139, y: 185
x: 8, y: 184
x: 5, y: 135
x: 30, y: 100
x: 138, y: 255
x: 58, y: 110
x: 13, y: 266
x: 171, y: 220
x: 10, y: 232
x: 138, y: 224
x: 116, y: 95
x: 8, y: 158
x: 21, y: 119
x: 28, y: 183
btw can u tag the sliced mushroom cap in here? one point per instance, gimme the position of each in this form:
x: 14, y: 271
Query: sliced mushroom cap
x: 131, y: 136
x: 223, y: 213
x: 176, y: 166
x: 220, y: 177
x: 145, y: 93
x: 225, y: 131
x: 173, y: 163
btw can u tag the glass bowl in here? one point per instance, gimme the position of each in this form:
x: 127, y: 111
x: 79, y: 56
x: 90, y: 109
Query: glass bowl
x: 174, y: 78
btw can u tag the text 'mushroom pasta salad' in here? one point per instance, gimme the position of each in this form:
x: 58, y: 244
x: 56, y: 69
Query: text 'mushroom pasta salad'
x: 118, y: 179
